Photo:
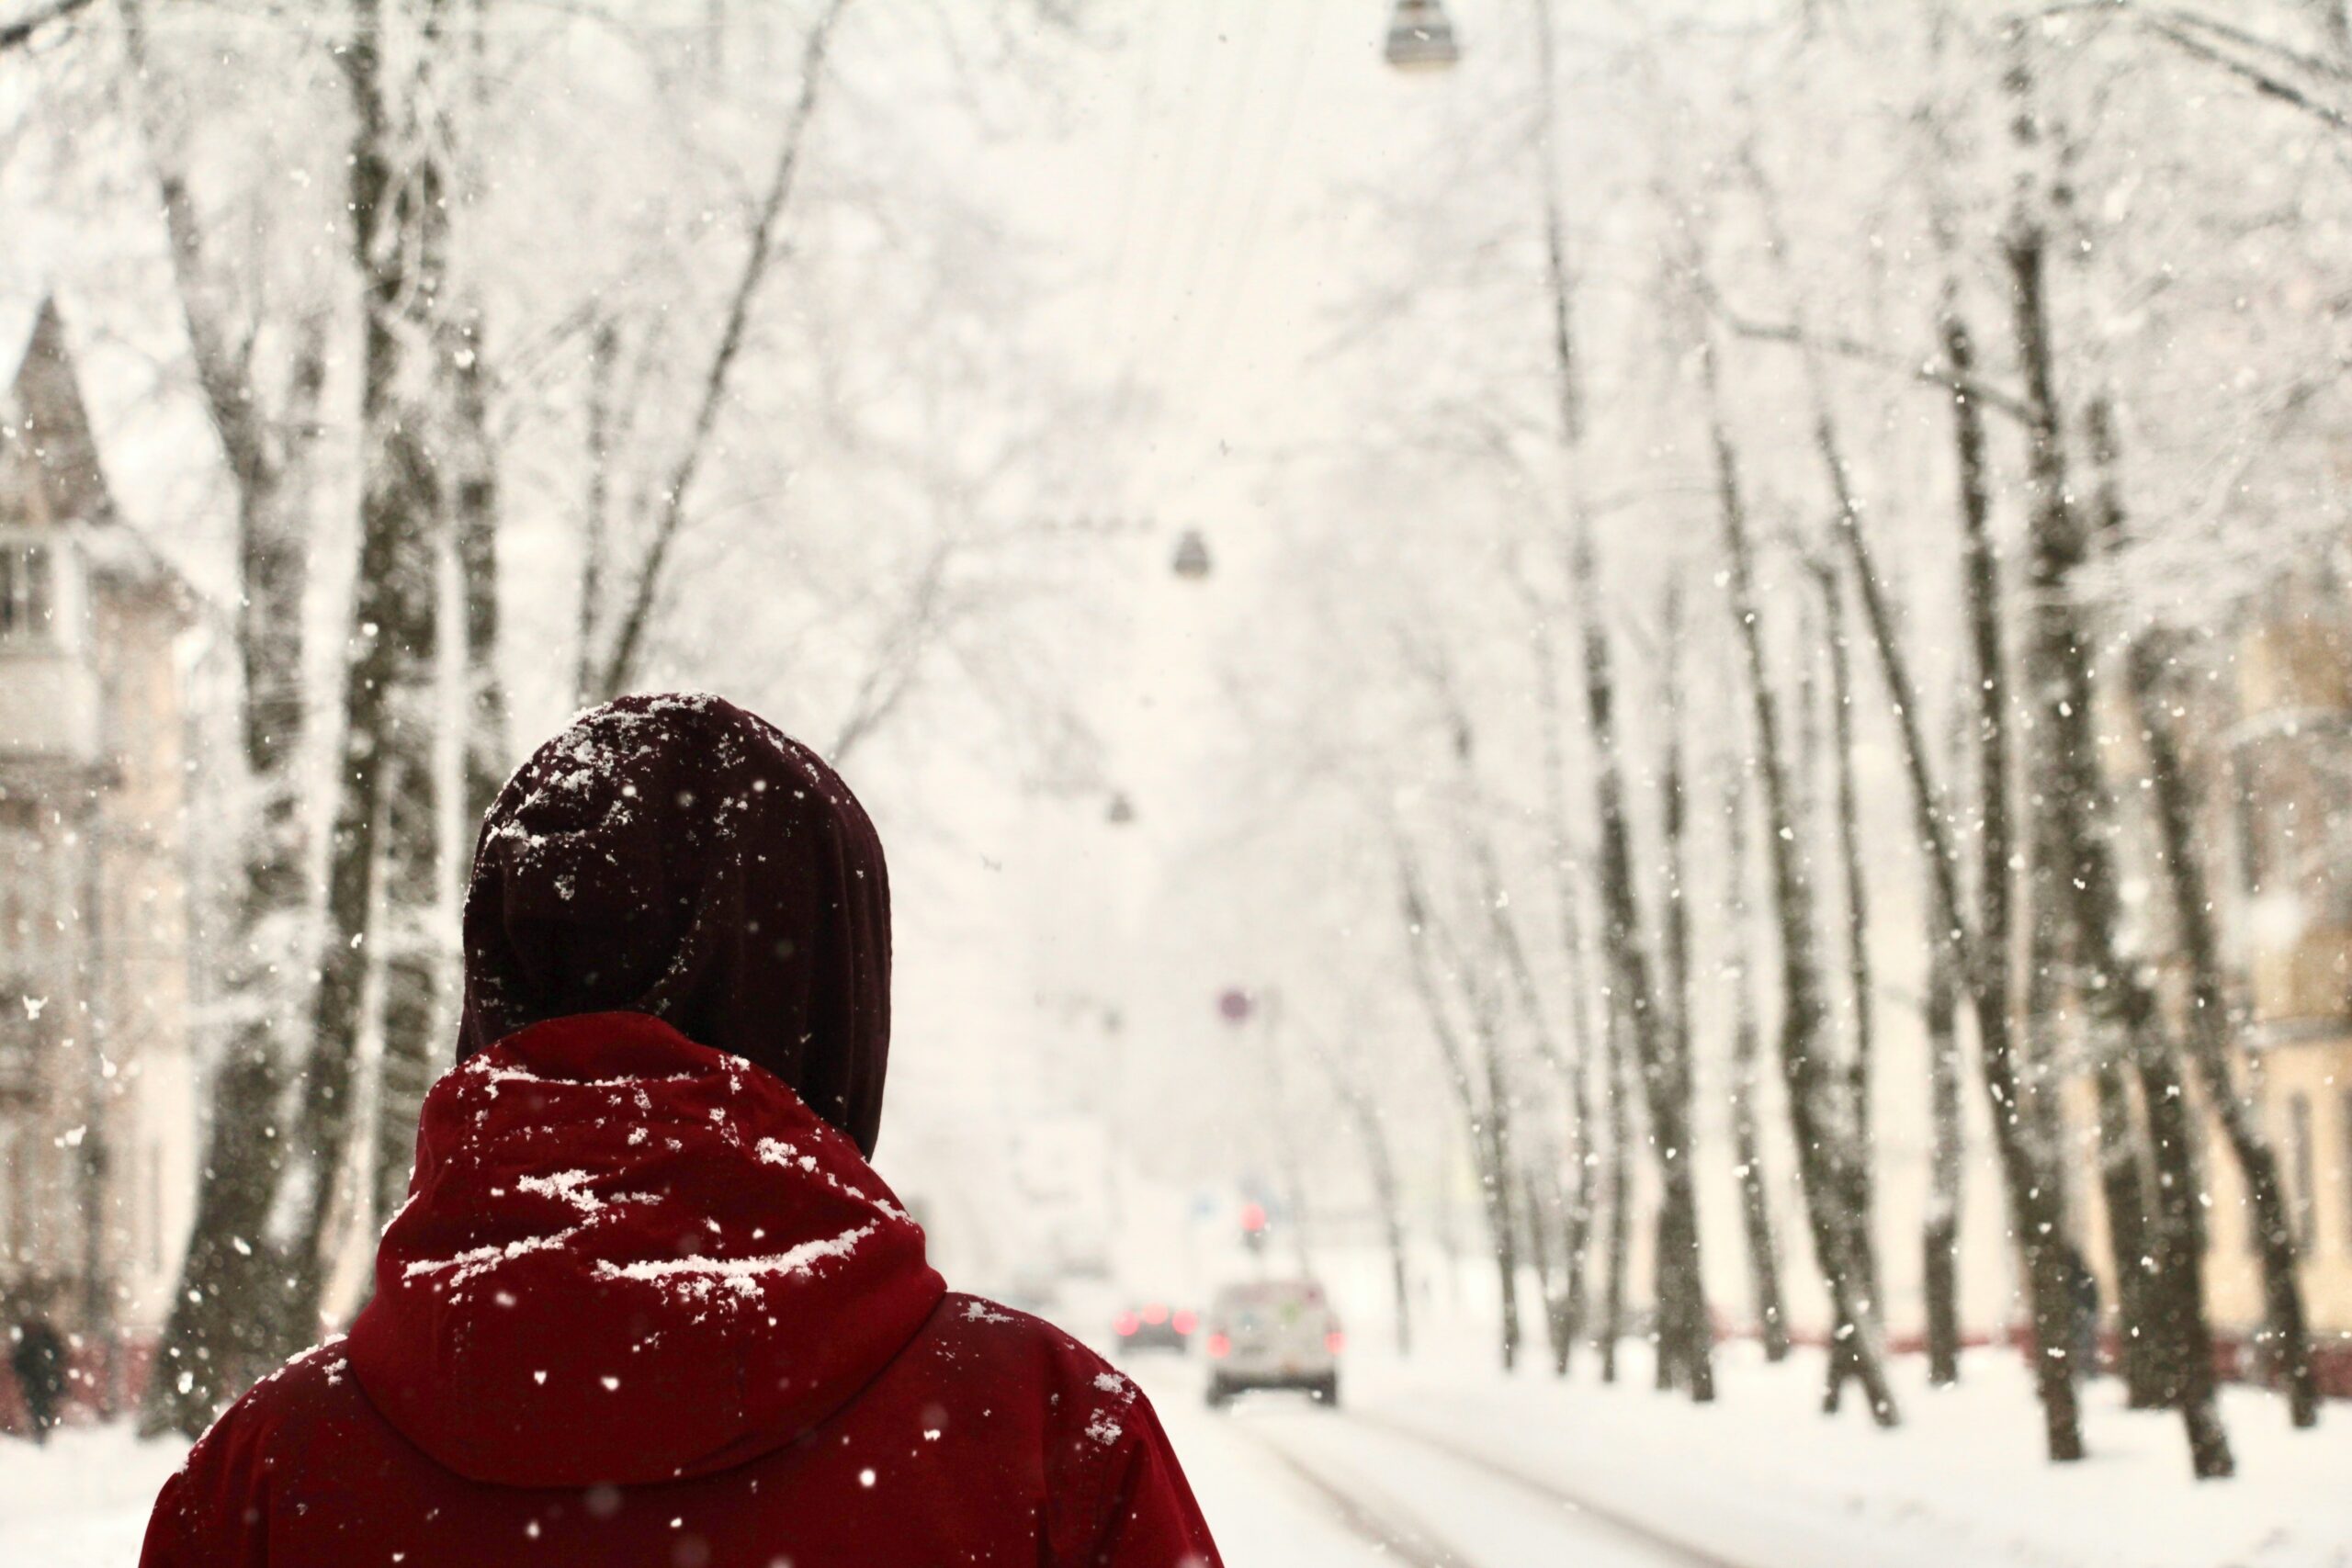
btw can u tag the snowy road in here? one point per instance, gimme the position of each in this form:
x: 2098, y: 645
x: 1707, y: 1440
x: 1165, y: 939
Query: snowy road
x: 1284, y: 1482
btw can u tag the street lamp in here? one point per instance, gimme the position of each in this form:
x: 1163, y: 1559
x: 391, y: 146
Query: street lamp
x: 1191, y: 562
x: 1420, y: 38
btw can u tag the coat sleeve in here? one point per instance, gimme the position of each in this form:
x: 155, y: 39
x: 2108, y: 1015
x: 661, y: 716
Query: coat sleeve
x: 1148, y: 1517
x: 213, y: 1512
x: 179, y: 1539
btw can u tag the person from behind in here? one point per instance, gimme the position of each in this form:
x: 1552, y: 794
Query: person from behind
x: 647, y: 1303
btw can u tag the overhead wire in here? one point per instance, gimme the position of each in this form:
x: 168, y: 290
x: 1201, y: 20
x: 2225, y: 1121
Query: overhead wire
x: 1205, y: 232
x: 1163, y: 212
x: 1244, y: 249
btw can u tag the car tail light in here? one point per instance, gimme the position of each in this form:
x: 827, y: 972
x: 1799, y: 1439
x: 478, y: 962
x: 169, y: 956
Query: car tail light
x: 1125, y: 1322
x: 1186, y: 1322
x: 1155, y: 1313
x: 1219, y: 1346
x: 1335, y: 1342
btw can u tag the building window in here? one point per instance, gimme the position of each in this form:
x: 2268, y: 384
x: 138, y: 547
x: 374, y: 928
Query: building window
x: 27, y: 595
x: 10, y: 1185
x: 2300, y: 1154
x: 24, y: 1029
x: 2346, y: 1186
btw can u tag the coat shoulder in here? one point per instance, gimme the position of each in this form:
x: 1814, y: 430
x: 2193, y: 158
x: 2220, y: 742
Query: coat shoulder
x: 287, y: 1406
x: 210, y: 1508
x: 984, y: 1335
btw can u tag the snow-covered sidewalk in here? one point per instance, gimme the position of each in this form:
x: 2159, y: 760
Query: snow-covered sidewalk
x: 81, y: 1502
x: 1762, y: 1478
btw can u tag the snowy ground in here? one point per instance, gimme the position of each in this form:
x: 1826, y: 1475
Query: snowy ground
x: 1447, y: 1465
x: 82, y: 1501
x: 1457, y: 1464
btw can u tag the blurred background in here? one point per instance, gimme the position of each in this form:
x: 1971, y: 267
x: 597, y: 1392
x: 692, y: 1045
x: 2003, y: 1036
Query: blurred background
x: 1565, y: 694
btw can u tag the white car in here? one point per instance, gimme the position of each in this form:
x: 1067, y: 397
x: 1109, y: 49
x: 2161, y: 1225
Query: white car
x: 1272, y: 1333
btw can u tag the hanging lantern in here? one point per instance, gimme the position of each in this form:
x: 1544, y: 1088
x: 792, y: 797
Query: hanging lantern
x: 1192, y: 562
x: 1420, y: 38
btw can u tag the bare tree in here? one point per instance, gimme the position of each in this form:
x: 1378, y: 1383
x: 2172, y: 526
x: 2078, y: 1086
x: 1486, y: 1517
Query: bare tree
x: 1940, y: 1234
x: 1822, y: 1150
x: 1747, y: 1132
x: 1481, y: 1089
x: 2074, y: 860
x: 1617, y: 1189
x: 1685, y: 1329
x: 1664, y: 1066
x: 1847, y: 815
x: 641, y: 591
x: 218, y: 1335
x: 2150, y: 664
x: 1578, y: 1202
x: 389, y: 653
x: 19, y: 32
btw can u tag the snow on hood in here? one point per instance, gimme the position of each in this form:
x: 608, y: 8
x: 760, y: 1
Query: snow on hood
x: 627, y: 1258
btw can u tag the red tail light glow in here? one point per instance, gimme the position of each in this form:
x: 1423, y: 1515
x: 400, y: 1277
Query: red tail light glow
x: 1155, y: 1313
x: 1335, y: 1342
x: 1186, y: 1321
x: 1219, y: 1346
x: 1125, y: 1322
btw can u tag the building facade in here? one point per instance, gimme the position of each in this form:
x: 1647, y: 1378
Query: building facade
x: 2288, y: 762
x: 2274, y: 744
x: 97, y: 1136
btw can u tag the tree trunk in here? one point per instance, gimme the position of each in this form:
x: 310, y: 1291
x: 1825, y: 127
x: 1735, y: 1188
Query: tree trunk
x: 387, y: 657
x: 1685, y: 1331
x: 1485, y: 1122
x: 2286, y: 1328
x: 1578, y: 1209
x: 2123, y: 1196
x: 1617, y: 1189
x: 1747, y: 1140
x: 1858, y: 972
x: 1940, y: 1237
x: 1576, y: 1243
x: 596, y: 517
x: 1822, y: 1152
x: 218, y: 1336
x: 1383, y: 1167
x: 1540, y: 1208
x: 2185, y: 1365
x: 1664, y: 1069
x: 1846, y: 814
x: 2077, y: 817
x: 474, y: 518
x: 2029, y: 1169
x: 1380, y: 1165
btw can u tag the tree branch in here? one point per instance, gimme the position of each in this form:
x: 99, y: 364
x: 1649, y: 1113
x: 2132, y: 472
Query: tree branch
x: 621, y: 665
x: 15, y: 34
x: 1927, y: 373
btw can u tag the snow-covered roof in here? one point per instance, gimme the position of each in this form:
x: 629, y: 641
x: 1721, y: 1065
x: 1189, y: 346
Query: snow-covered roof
x: 43, y: 390
x: 18, y: 316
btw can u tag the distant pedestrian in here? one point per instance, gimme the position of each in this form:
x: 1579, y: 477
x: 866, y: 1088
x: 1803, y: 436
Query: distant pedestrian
x: 647, y: 1302
x: 2082, y: 1289
x: 37, y: 1357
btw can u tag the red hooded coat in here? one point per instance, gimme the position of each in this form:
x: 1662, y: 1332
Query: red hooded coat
x: 647, y: 1303
x: 644, y: 1307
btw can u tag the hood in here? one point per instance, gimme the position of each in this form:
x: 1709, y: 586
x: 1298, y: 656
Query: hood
x: 678, y: 856
x: 627, y: 1258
